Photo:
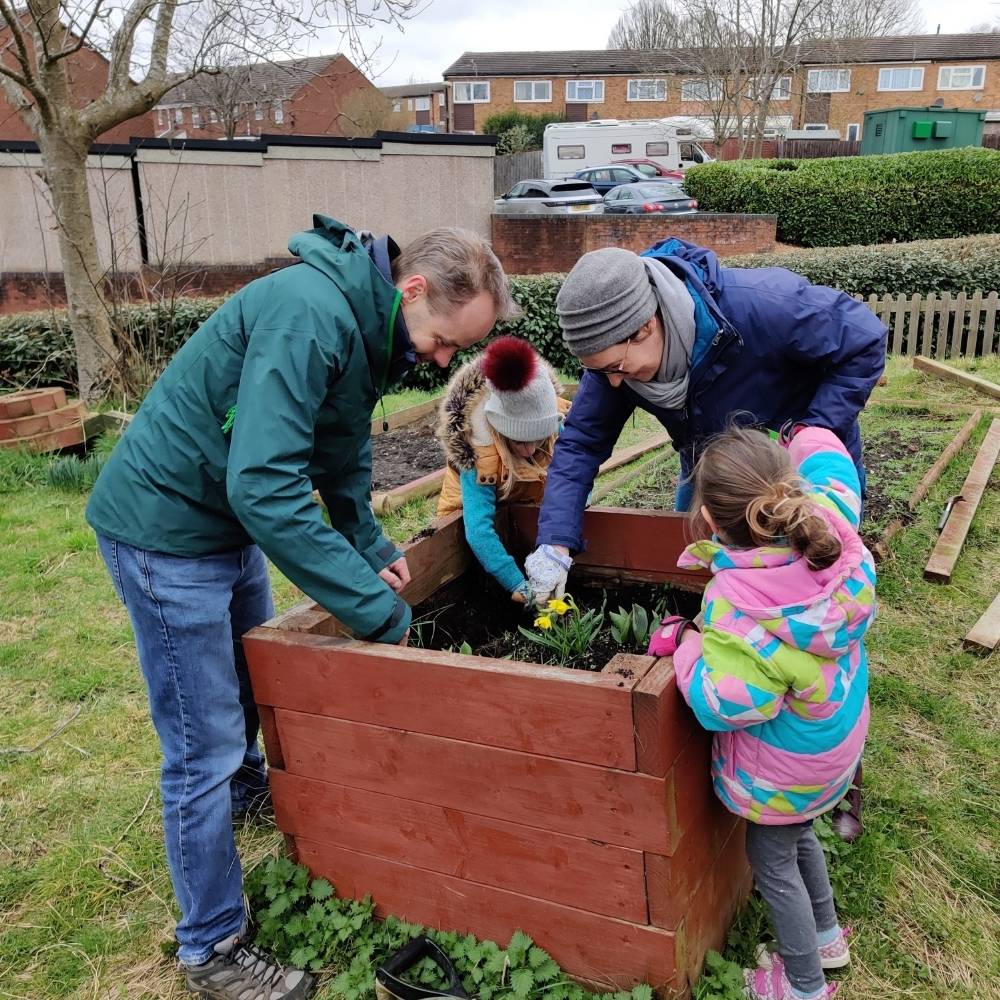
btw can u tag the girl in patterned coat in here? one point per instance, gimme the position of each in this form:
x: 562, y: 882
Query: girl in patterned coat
x: 779, y: 671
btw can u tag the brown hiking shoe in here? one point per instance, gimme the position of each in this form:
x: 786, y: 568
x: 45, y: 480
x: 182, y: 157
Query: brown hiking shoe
x: 240, y: 971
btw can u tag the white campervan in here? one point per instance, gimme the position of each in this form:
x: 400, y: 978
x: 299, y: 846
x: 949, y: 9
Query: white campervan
x: 671, y: 143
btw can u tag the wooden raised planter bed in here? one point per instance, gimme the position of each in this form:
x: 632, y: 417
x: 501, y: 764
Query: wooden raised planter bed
x: 487, y: 796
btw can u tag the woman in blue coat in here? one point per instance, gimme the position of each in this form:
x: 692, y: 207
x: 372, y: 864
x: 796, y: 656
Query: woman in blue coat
x: 695, y: 344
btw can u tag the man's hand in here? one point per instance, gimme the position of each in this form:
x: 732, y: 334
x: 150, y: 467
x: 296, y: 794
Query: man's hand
x: 548, y: 568
x: 396, y: 574
x: 405, y: 641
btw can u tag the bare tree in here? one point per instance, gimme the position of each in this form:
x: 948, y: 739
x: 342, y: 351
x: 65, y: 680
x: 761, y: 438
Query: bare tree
x: 364, y: 112
x: 986, y: 28
x: 867, y: 19
x: 150, y: 46
x: 228, y: 94
x: 647, y: 24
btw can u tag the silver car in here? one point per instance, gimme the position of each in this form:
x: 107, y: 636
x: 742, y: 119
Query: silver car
x: 537, y: 197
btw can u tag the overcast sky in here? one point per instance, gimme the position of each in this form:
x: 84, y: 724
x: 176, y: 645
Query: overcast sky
x: 437, y: 36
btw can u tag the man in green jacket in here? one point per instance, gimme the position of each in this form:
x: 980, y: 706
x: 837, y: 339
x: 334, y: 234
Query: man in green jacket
x: 271, y: 398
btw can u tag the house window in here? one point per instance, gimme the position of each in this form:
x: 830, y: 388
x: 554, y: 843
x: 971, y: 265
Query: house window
x: 178, y: 115
x: 828, y: 81
x: 472, y: 92
x: 570, y: 152
x: 278, y: 110
x: 901, y: 78
x: 258, y: 113
x: 961, y: 77
x: 585, y: 91
x: 532, y: 91
x: 780, y: 91
x: 422, y: 104
x: 213, y: 115
x: 441, y: 99
x: 196, y: 117
x: 814, y: 126
x: 397, y: 106
x: 647, y: 90
x: 853, y: 132
x: 409, y: 104
x: 701, y: 90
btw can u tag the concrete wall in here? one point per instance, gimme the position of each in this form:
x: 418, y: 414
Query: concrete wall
x: 225, y: 206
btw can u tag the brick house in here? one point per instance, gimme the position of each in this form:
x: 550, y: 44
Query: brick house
x: 88, y: 76
x: 315, y: 95
x: 419, y: 104
x: 834, y: 83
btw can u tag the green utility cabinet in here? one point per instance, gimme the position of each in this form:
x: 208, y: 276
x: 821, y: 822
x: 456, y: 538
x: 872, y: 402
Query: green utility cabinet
x: 904, y: 130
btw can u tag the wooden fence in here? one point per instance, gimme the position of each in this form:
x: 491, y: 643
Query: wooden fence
x: 508, y: 170
x: 939, y: 326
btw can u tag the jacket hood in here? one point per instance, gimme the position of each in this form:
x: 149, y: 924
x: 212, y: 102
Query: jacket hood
x: 816, y: 611
x: 468, y: 389
x: 699, y: 263
x: 338, y: 252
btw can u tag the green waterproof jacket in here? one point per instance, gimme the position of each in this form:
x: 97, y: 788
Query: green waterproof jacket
x: 303, y: 355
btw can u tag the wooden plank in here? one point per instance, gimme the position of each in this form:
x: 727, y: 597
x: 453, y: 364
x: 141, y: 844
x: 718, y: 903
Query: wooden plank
x: 436, y: 559
x: 928, y: 407
x: 956, y: 343
x: 591, y: 876
x: 933, y: 474
x: 671, y: 881
x: 975, y: 311
x: 272, y: 743
x: 691, y: 798
x: 632, y: 544
x: 570, y: 714
x: 601, y: 490
x: 928, y: 342
x: 589, y: 946
x: 913, y: 329
x: 949, y: 544
x: 898, y: 325
x: 306, y: 616
x: 404, y: 417
x: 384, y: 502
x: 663, y: 722
x: 944, y: 316
x: 984, y: 636
x: 623, y: 456
x: 628, y: 669
x: 954, y: 375
x: 582, y: 800
x: 990, y: 312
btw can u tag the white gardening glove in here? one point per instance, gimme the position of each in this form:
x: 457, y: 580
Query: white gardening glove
x: 547, y: 570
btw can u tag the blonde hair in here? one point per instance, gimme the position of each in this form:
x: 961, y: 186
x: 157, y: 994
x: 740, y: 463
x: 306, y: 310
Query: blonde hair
x: 517, y: 469
x: 747, y: 483
x: 458, y: 265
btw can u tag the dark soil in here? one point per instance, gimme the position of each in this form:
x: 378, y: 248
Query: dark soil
x: 472, y: 610
x: 399, y: 457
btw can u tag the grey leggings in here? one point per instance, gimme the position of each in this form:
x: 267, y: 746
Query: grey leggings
x: 789, y: 871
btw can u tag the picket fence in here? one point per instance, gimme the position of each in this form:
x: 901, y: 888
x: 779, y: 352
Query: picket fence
x: 939, y: 326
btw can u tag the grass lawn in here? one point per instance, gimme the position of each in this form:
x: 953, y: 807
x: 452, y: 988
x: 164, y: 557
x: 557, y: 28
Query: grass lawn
x: 85, y: 901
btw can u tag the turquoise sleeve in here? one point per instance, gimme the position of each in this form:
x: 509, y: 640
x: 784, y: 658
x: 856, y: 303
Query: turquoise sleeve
x: 479, y: 506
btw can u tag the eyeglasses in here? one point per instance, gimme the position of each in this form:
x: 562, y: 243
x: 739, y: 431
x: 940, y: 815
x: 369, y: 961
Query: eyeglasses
x: 614, y: 369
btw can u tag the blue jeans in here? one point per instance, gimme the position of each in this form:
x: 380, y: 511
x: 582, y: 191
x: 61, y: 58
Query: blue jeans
x: 188, y: 615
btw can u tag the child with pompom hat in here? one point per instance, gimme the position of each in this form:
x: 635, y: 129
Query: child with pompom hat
x: 498, y: 423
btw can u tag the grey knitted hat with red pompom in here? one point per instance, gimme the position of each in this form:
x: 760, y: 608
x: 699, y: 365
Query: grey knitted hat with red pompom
x: 522, y: 405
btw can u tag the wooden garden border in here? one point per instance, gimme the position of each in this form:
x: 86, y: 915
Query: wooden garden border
x: 954, y: 375
x: 984, y: 636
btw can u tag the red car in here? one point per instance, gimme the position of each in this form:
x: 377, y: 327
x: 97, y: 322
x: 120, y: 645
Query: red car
x: 652, y: 169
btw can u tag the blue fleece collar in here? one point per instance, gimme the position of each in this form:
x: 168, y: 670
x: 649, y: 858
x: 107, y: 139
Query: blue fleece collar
x: 383, y: 251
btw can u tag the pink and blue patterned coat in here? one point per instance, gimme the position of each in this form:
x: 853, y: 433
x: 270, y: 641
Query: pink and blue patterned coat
x: 779, y: 672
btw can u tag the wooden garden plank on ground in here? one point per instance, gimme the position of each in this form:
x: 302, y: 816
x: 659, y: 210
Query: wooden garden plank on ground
x: 571, y: 714
x: 581, y: 800
x: 595, y: 877
x: 984, y: 636
x: 949, y: 543
x: 954, y: 375
x: 404, y: 417
x: 587, y: 945
x: 933, y: 474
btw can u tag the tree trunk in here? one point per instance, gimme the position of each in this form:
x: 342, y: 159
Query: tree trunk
x: 65, y: 164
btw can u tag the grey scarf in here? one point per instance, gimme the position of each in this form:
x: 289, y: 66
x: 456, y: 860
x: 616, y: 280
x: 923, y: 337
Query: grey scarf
x: 668, y: 390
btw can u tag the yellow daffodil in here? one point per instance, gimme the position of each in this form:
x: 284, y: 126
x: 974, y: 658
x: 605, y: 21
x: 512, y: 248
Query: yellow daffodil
x: 543, y: 622
x: 558, y: 606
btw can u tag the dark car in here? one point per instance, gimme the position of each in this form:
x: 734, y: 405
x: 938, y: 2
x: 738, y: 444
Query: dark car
x: 537, y: 197
x: 655, y: 171
x: 648, y: 197
x: 607, y: 177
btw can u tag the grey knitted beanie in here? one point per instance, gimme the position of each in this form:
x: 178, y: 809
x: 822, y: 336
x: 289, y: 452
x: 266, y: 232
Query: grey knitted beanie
x: 605, y: 299
x: 522, y: 404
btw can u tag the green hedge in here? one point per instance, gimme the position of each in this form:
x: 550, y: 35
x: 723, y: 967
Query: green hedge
x: 961, y: 265
x: 847, y: 200
x: 37, y: 347
x: 506, y: 120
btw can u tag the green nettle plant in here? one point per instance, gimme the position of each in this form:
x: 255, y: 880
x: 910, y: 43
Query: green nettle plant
x: 564, y: 630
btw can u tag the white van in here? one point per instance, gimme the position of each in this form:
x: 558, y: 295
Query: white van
x: 671, y: 143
